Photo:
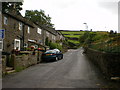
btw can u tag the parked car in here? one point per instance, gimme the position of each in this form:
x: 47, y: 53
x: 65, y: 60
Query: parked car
x: 54, y: 54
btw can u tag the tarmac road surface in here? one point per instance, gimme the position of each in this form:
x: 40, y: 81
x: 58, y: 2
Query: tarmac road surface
x: 73, y: 71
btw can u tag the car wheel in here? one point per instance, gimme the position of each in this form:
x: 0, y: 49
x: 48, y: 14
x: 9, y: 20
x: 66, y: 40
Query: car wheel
x: 62, y: 57
x: 56, y: 58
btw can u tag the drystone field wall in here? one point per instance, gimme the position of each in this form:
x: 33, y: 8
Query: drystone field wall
x: 109, y: 63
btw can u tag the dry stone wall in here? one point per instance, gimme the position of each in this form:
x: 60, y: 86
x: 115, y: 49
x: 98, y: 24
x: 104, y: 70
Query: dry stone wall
x: 109, y: 63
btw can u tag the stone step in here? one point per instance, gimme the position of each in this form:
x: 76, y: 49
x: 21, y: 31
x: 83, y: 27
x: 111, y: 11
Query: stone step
x: 115, y: 78
x: 9, y: 68
x: 10, y: 71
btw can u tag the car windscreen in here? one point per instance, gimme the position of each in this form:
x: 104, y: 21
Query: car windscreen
x: 50, y: 51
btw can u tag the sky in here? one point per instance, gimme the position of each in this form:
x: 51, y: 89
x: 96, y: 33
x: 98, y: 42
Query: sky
x: 100, y: 15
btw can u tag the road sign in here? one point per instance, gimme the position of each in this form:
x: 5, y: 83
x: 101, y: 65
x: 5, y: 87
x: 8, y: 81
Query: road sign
x: 2, y: 34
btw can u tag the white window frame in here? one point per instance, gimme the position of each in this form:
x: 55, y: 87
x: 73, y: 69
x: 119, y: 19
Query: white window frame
x: 28, y: 29
x: 39, y: 31
x: 5, y: 20
x: 17, y: 40
x: 20, y: 25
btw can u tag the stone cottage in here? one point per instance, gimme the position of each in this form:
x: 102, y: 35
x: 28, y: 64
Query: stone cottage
x: 21, y: 33
x: 16, y: 29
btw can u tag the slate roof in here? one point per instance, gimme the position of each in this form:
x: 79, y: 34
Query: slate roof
x: 50, y: 30
x: 20, y: 18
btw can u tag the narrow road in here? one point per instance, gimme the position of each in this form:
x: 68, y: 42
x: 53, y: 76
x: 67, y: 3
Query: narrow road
x: 74, y: 71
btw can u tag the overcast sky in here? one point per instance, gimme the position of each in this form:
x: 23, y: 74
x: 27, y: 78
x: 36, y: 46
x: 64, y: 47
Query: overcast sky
x: 71, y: 14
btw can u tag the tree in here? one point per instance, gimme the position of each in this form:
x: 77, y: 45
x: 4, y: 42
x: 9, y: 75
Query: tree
x: 111, y: 32
x: 115, y: 32
x: 12, y: 6
x: 87, y: 38
x: 39, y: 17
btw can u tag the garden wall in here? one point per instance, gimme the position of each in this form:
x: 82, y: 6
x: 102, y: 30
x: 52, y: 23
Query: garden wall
x: 109, y: 63
x: 22, y: 61
x: 25, y: 60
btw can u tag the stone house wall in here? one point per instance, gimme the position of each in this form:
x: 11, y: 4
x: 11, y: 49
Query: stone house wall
x: 3, y: 64
x: 12, y: 32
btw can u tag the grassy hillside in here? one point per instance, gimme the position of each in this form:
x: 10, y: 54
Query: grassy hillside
x: 102, y: 41
x: 72, y: 32
x: 73, y: 37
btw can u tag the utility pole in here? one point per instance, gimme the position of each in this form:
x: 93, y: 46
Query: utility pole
x: 86, y: 26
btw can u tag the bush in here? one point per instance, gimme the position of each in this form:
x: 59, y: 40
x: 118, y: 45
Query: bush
x: 18, y: 69
x: 55, y: 45
x: 59, y: 47
x: 84, y: 37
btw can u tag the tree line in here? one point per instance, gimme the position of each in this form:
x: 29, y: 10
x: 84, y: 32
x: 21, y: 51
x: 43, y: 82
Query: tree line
x: 36, y: 16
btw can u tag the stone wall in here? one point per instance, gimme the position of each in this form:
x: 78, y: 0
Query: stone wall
x: 109, y: 63
x: 26, y: 60
x: 22, y: 61
x: 3, y: 64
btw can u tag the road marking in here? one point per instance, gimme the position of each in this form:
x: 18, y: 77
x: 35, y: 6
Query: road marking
x: 82, y: 54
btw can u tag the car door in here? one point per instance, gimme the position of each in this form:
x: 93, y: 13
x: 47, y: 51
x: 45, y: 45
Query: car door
x: 59, y: 55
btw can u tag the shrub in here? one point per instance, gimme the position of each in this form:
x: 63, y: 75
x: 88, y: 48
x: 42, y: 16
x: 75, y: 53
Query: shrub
x: 18, y: 69
x: 55, y: 45
x: 59, y: 47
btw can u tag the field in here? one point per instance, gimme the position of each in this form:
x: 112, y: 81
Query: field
x: 103, y: 41
x: 73, y: 36
x: 72, y: 32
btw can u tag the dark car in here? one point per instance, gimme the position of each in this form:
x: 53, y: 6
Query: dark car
x: 50, y: 55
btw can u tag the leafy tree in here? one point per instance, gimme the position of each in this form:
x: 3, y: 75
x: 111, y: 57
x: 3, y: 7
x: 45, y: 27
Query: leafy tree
x: 12, y: 6
x: 112, y: 34
x: 39, y: 17
x: 115, y: 32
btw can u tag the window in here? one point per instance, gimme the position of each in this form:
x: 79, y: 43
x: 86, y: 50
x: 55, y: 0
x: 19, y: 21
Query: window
x: 26, y: 45
x: 17, y: 44
x: 28, y: 29
x: 47, y: 34
x: 53, y: 37
x: 5, y: 20
x: 20, y: 26
x: 39, y: 30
